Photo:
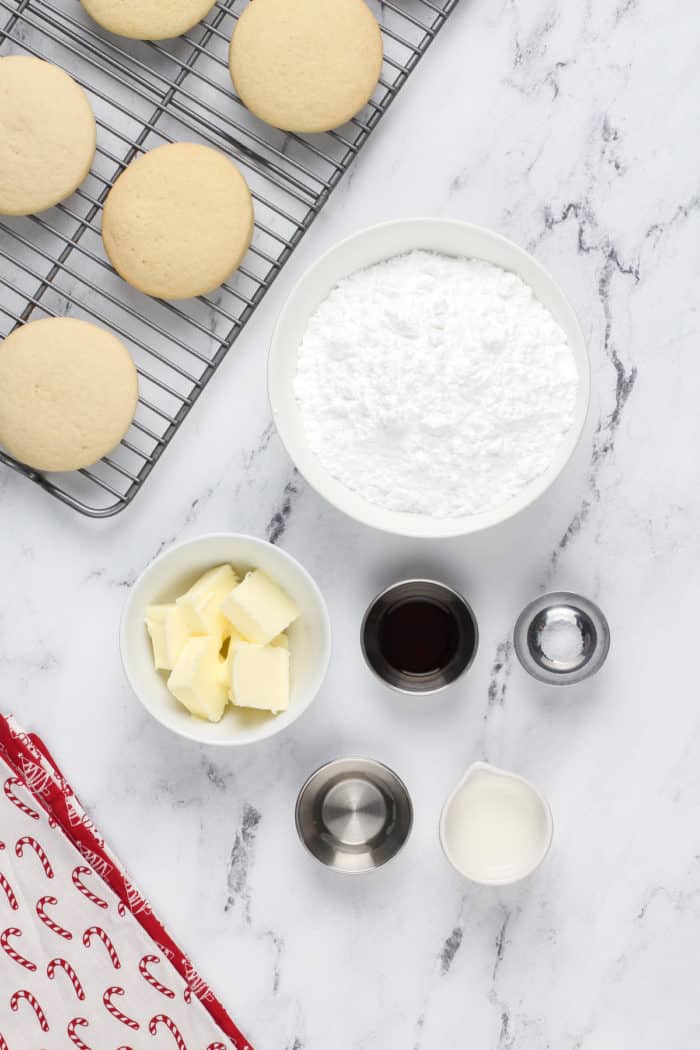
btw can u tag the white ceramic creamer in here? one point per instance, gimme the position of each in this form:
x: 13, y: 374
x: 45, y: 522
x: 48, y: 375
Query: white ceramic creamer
x: 495, y: 828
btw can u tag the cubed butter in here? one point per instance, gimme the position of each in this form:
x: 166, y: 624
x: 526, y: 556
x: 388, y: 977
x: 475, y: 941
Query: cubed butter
x: 259, y: 609
x: 281, y: 641
x: 260, y: 677
x: 155, y: 625
x: 169, y: 633
x: 198, y: 679
x: 235, y: 638
x: 201, y: 605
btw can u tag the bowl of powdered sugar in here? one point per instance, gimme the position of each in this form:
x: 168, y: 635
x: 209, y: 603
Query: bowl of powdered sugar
x: 429, y: 378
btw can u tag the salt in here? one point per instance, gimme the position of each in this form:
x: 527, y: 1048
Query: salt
x: 561, y: 642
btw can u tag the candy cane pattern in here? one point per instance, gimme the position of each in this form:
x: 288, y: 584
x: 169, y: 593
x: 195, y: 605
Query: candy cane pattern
x: 77, y: 1022
x: 170, y: 1025
x: 97, y: 931
x: 55, y: 927
x: 29, y: 998
x: 7, y: 788
x: 77, y: 882
x: 27, y: 840
x: 61, y: 964
x: 14, y: 955
x: 143, y: 970
x: 115, y: 1011
x: 22, y: 788
x: 9, y: 892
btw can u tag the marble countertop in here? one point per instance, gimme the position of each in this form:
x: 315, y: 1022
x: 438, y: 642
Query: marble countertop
x: 572, y: 129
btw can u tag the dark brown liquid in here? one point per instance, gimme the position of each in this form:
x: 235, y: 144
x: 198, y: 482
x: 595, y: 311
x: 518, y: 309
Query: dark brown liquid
x: 419, y: 636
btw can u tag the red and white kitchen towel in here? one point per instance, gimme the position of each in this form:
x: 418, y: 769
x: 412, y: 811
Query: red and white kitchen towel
x: 84, y: 962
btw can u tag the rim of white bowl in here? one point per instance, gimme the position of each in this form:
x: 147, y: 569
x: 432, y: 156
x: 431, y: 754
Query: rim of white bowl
x: 509, y: 880
x: 271, y: 728
x: 287, y: 417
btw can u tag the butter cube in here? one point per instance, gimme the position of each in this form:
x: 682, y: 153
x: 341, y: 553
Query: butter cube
x: 169, y: 633
x: 259, y: 609
x: 260, y: 677
x: 198, y: 679
x: 155, y: 625
x: 235, y: 639
x: 201, y: 605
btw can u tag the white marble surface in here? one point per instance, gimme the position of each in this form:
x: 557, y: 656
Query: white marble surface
x: 571, y: 128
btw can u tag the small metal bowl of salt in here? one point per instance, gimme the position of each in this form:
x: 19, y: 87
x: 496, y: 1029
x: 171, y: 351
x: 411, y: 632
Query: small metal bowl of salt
x: 562, y: 638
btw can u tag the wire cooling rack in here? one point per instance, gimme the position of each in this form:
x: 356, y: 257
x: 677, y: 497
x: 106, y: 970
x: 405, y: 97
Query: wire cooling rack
x: 145, y: 94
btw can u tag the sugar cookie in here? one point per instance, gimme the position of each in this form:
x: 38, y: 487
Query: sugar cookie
x: 148, y: 19
x: 47, y: 135
x: 306, y: 65
x: 178, y: 221
x: 68, y: 392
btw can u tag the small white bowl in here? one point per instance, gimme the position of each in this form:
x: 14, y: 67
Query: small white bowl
x: 371, y: 246
x: 533, y: 807
x: 169, y: 576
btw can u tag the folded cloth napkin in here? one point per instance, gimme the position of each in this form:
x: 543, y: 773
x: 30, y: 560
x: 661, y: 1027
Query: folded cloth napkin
x: 84, y: 962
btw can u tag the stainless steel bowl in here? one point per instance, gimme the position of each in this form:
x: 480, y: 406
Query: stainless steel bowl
x: 580, y: 620
x: 432, y: 591
x: 354, y: 814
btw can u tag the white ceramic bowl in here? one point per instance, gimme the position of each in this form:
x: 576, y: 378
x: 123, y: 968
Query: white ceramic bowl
x: 169, y: 576
x: 529, y: 855
x: 371, y: 246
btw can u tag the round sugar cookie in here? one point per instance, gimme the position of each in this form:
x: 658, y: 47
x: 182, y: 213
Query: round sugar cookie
x: 178, y: 221
x: 148, y: 19
x: 47, y: 135
x: 68, y: 392
x: 306, y: 65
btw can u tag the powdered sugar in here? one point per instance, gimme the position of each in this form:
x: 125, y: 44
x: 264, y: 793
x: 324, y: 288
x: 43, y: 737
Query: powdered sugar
x: 435, y: 385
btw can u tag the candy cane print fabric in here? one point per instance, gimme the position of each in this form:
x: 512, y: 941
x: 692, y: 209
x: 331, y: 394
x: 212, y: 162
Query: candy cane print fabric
x: 84, y: 962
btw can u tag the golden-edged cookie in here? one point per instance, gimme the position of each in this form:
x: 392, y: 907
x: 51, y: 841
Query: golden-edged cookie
x: 68, y: 392
x: 178, y: 221
x: 47, y: 135
x: 306, y: 65
x: 148, y: 19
